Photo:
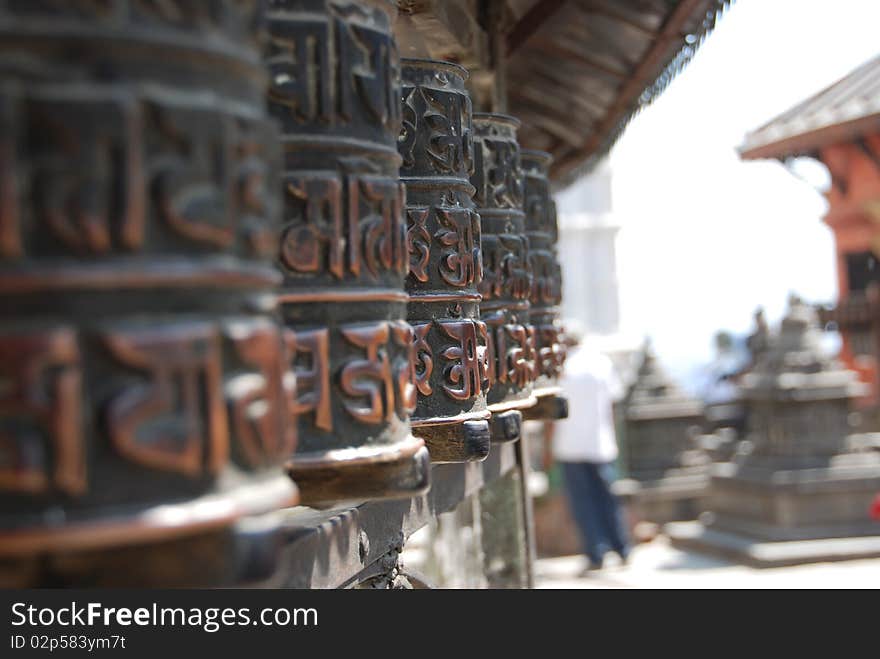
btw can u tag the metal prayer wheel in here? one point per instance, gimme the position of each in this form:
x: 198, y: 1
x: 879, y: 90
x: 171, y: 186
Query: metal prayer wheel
x: 506, y: 285
x: 545, y: 295
x: 143, y: 395
x: 335, y: 87
x: 445, y: 263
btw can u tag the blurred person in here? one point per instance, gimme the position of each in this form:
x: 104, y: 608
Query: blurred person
x: 585, y: 446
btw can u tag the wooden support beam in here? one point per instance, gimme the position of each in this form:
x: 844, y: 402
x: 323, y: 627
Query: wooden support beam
x: 863, y: 146
x: 602, y: 9
x: 640, y: 78
x: 558, y: 49
x: 531, y: 22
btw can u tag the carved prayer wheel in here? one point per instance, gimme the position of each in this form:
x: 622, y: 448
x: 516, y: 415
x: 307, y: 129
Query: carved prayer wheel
x: 545, y: 296
x: 335, y: 87
x: 445, y: 263
x: 506, y: 285
x: 143, y: 393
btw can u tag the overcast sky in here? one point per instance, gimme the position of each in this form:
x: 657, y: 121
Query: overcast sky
x: 706, y: 237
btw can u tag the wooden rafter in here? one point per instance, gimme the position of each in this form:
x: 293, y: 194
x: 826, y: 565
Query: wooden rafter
x: 556, y: 48
x: 531, y: 22
x: 630, y: 91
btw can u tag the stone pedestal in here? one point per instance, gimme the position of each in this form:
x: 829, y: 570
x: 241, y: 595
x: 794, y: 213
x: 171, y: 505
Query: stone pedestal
x: 800, y: 487
x: 667, y: 474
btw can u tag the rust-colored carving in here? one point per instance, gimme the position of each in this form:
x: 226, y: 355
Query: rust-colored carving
x: 546, y: 282
x: 424, y: 358
x: 507, y: 275
x: 485, y: 356
x: 320, y: 197
x: 257, y: 399
x: 376, y: 203
x: 176, y: 420
x: 41, y: 442
x: 518, y: 367
x: 140, y: 356
x: 407, y: 395
x: 464, y: 375
x: 83, y: 153
x: 546, y: 292
x: 10, y: 210
x: 311, y: 361
x: 190, y: 191
x: 418, y: 242
x: 462, y: 263
x: 335, y: 89
x: 449, y: 141
x: 330, y: 67
x: 436, y: 145
x: 255, y: 198
x: 370, y: 377
x: 501, y: 180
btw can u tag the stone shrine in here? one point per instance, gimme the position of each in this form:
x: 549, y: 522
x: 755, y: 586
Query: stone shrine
x: 667, y: 475
x: 800, y: 486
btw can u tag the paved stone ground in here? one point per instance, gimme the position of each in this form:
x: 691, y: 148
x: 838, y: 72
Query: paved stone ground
x: 656, y: 564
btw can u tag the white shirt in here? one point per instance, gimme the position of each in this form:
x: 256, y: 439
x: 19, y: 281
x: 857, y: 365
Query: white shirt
x: 591, y: 385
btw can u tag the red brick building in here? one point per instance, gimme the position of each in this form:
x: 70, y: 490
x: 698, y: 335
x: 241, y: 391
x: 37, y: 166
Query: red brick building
x: 840, y: 127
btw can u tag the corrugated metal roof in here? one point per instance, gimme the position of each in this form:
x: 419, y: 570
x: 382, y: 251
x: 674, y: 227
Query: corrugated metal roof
x: 841, y: 111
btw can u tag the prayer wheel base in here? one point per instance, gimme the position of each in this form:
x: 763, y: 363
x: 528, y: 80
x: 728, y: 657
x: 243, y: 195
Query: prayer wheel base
x: 159, y: 523
x: 391, y: 471
x: 506, y: 426
x: 550, y: 407
x: 466, y: 441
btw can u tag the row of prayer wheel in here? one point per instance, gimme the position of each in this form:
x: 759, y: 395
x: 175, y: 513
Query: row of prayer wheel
x: 214, y: 306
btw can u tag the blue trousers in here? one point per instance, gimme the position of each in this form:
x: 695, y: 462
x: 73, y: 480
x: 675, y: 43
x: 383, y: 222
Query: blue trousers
x: 595, y: 509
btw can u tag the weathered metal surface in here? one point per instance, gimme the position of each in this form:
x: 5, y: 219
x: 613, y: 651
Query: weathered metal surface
x: 545, y: 296
x: 550, y: 407
x: 336, y: 548
x: 335, y: 88
x: 507, y: 276
x: 445, y: 263
x: 506, y: 426
x: 144, y: 393
x: 506, y: 559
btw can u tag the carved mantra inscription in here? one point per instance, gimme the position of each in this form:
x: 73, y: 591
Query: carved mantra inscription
x: 501, y: 182
x: 547, y: 278
x: 552, y: 352
x: 506, y: 271
x: 343, y: 234
x: 444, y: 118
x: 41, y: 440
x: 103, y: 173
x: 512, y: 352
x: 466, y: 363
x: 330, y: 69
x: 458, y: 239
x: 176, y: 403
x: 373, y: 388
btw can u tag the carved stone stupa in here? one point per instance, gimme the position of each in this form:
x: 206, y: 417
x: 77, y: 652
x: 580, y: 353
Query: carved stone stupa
x: 667, y: 475
x: 799, y: 488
